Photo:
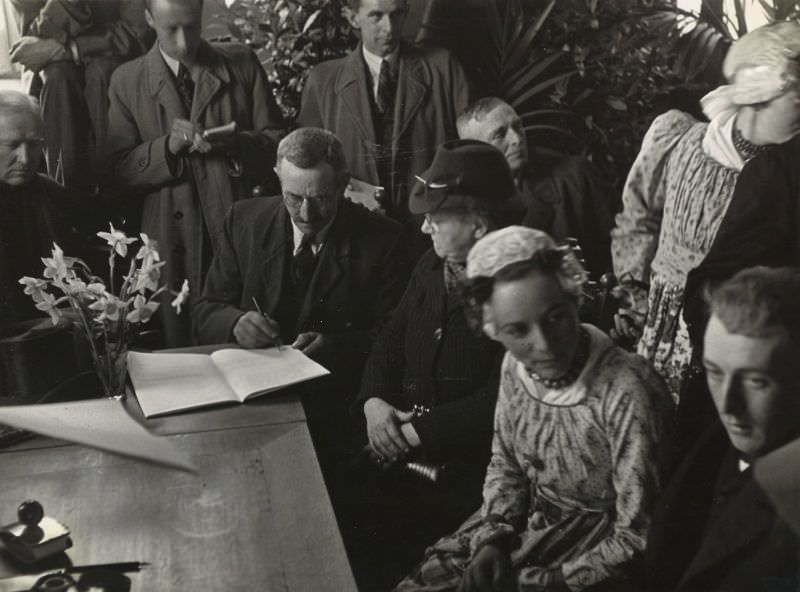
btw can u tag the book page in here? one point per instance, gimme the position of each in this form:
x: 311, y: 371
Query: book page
x: 252, y: 372
x: 168, y: 382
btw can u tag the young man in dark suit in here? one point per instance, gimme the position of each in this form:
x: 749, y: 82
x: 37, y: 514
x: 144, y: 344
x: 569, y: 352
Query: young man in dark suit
x: 716, y: 530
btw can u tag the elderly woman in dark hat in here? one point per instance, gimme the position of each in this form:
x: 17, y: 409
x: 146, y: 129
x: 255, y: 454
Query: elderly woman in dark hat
x: 430, y: 384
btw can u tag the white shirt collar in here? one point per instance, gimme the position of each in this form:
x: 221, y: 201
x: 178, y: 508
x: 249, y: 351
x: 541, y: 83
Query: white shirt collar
x: 319, y: 238
x: 172, y: 63
x: 743, y: 465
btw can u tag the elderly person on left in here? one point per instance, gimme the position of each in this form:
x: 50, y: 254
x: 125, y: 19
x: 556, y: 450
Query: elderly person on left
x: 579, y: 437
x: 35, y: 210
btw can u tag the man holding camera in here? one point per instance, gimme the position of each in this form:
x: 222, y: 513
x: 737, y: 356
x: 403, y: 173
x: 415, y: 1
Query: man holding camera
x: 163, y: 108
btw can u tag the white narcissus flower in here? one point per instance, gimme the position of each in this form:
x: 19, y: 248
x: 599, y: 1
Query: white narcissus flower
x: 117, y: 240
x: 148, y: 276
x: 56, y: 267
x: 109, y: 307
x: 96, y: 289
x: 148, y: 252
x: 75, y: 287
x: 142, y: 310
x: 49, y: 304
x: 181, y: 297
x: 34, y: 287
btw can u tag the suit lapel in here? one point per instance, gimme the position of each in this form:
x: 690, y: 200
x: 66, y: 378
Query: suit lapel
x: 746, y: 518
x: 412, y: 86
x: 274, y: 260
x: 352, y: 87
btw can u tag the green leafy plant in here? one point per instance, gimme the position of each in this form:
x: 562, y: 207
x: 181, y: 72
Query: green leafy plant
x: 288, y: 36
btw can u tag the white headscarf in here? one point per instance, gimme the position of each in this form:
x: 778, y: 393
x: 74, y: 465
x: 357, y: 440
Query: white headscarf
x: 513, y: 244
x: 760, y: 67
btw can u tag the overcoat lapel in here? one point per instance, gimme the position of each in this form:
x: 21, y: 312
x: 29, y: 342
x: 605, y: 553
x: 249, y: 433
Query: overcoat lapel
x: 162, y: 87
x: 412, y: 87
x: 352, y: 87
x: 212, y: 76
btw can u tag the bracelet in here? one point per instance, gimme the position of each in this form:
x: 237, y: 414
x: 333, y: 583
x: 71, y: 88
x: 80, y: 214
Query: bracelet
x: 419, y: 411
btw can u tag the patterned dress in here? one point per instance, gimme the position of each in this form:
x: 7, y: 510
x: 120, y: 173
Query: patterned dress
x: 574, y: 475
x: 673, y: 202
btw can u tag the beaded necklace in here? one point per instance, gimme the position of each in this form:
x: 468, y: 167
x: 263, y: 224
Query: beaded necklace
x: 745, y: 147
x: 571, y: 375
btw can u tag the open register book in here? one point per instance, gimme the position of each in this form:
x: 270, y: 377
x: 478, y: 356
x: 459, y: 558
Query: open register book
x: 172, y: 382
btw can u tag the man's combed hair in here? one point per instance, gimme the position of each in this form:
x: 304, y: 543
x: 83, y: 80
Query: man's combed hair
x: 309, y: 146
x: 759, y: 301
x: 13, y: 103
x: 477, y: 111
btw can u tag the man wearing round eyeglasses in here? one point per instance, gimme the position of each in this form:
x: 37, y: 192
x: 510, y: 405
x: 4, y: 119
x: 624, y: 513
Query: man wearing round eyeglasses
x: 34, y: 208
x: 307, y: 269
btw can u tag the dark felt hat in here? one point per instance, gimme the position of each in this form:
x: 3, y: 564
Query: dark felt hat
x: 463, y: 174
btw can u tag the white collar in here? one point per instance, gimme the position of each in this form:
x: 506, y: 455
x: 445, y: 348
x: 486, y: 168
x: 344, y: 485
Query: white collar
x: 171, y: 62
x: 743, y: 465
x: 319, y: 238
x: 374, y: 61
x: 718, y: 141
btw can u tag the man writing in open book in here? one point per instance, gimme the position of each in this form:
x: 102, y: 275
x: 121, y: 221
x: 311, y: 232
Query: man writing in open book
x: 307, y: 269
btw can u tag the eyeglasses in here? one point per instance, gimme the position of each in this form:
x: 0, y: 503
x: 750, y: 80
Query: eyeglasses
x: 316, y: 200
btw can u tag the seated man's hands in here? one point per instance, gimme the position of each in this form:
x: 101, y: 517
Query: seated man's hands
x: 384, y: 430
x: 311, y: 343
x: 35, y: 53
x: 489, y: 571
x: 255, y: 330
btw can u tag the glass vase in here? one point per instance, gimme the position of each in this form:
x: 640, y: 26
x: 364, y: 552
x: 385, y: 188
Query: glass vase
x: 111, y: 365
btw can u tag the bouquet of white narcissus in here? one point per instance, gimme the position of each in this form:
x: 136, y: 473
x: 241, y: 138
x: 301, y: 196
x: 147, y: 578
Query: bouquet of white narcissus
x: 109, y: 320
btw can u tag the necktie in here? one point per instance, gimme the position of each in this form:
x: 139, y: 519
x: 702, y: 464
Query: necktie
x: 387, y: 89
x: 185, y: 86
x: 303, y: 262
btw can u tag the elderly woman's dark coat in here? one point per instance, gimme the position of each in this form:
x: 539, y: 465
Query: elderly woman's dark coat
x: 428, y: 355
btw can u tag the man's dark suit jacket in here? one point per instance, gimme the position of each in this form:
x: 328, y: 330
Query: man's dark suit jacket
x: 358, y: 278
x: 571, y: 200
x: 716, y: 531
x: 432, y: 90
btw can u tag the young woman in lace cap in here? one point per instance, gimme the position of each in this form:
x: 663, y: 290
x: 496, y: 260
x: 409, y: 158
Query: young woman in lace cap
x: 682, y: 181
x: 577, y: 454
